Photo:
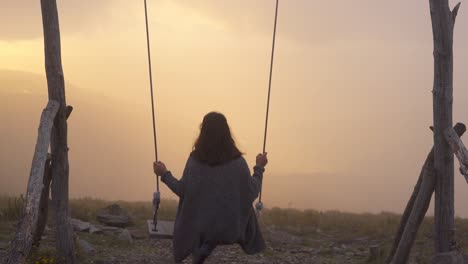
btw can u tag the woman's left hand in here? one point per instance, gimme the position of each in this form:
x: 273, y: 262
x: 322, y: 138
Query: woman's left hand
x: 159, y: 168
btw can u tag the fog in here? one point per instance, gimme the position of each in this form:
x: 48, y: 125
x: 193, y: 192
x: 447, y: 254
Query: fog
x: 350, y: 110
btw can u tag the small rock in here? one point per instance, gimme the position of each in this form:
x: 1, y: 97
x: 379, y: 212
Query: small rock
x: 336, y: 249
x: 374, y: 252
x: 452, y: 257
x: 108, y: 228
x: 138, y: 234
x: 100, y: 261
x: 80, y: 226
x: 95, y: 230
x: 126, y: 236
x: 361, y: 239
x: 86, y: 247
x: 3, y: 245
x: 114, y: 215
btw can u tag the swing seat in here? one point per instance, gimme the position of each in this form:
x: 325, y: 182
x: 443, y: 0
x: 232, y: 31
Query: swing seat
x: 165, y: 229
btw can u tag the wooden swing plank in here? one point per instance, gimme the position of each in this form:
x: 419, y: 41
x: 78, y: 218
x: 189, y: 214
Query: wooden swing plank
x: 165, y: 229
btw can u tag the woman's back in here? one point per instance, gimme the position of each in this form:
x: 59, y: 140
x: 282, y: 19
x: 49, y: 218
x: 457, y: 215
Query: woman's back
x: 216, y: 193
x: 220, y: 193
x: 216, y: 206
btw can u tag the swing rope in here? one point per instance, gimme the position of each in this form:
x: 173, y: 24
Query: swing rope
x: 259, y: 205
x: 156, y: 195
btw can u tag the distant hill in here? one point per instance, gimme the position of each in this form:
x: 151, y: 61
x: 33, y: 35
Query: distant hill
x: 111, y: 151
x: 110, y: 147
x: 110, y: 141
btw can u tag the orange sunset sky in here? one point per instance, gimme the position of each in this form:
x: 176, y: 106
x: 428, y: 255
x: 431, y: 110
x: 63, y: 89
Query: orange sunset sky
x: 351, y: 98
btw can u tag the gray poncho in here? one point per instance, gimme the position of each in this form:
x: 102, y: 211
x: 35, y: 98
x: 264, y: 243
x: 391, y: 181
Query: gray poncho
x: 216, y: 206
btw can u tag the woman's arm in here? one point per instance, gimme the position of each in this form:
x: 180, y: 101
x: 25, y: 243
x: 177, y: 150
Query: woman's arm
x: 177, y: 186
x: 255, y: 182
x: 174, y: 184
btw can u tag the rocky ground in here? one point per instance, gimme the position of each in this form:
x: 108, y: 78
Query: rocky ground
x: 111, y: 235
x: 110, y: 247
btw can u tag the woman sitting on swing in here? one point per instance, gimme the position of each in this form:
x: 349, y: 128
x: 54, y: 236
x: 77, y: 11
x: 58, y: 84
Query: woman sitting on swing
x: 216, y: 193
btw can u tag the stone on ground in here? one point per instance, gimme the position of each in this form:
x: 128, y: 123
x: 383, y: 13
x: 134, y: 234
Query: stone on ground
x: 86, y: 247
x: 80, y: 226
x: 453, y: 257
x: 3, y: 245
x: 95, y: 230
x: 114, y: 215
x: 125, y: 236
x: 138, y: 234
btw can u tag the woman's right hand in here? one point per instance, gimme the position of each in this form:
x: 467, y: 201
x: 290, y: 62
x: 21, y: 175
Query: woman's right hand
x: 159, y: 168
x: 262, y: 160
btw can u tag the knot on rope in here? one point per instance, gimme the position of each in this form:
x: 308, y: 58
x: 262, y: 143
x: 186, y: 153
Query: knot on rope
x: 156, y: 202
x: 259, y: 208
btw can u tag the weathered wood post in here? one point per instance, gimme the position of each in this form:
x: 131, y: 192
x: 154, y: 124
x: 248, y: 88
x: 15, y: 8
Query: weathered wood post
x: 443, y: 21
x: 438, y: 170
x: 417, y: 207
x: 59, y: 145
x: 22, y: 243
x: 44, y: 202
x: 408, y: 211
x: 459, y: 149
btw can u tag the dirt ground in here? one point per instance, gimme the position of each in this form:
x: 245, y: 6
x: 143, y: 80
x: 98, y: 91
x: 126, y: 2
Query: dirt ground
x: 282, y: 247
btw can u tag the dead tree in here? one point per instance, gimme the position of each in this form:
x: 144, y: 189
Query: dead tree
x: 48, y: 167
x: 59, y: 145
x: 44, y: 202
x: 408, y: 210
x: 438, y: 170
x: 443, y: 22
x: 22, y: 243
x: 417, y: 208
x: 459, y: 149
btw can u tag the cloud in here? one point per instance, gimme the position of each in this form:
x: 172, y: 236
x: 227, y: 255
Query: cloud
x: 313, y: 22
x: 22, y: 20
x: 304, y: 21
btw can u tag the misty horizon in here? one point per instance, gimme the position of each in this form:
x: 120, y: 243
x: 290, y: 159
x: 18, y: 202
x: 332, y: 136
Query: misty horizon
x: 350, y: 112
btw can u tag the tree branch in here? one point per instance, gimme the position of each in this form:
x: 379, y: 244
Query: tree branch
x: 455, y: 12
x: 459, y: 149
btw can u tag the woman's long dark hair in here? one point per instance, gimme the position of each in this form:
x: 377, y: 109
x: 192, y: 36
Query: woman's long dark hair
x: 215, y: 144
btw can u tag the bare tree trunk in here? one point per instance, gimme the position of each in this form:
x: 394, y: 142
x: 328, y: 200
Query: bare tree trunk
x: 416, y: 208
x: 44, y: 203
x: 59, y: 147
x: 407, y: 212
x: 22, y: 243
x: 443, y: 21
x: 420, y: 207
